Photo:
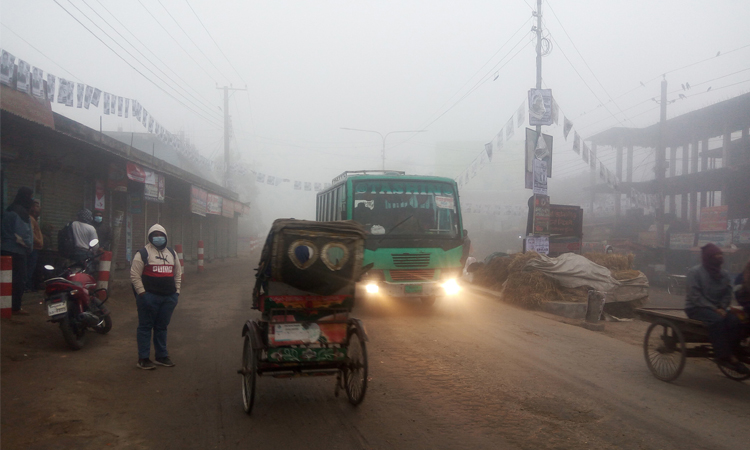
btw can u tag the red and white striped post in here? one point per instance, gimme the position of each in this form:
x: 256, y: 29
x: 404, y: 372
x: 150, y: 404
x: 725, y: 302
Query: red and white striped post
x: 105, y: 264
x: 178, y: 250
x: 200, y: 256
x: 6, y: 287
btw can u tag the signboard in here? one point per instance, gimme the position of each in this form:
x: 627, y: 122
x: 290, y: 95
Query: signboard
x: 540, y: 177
x: 566, y: 220
x: 741, y: 237
x: 541, y: 149
x: 539, y: 244
x: 540, y: 107
x: 681, y: 241
x: 213, y: 204
x: 564, y: 244
x: 99, y: 196
x: 720, y: 238
x: 238, y: 207
x: 129, y: 233
x: 198, y: 200
x: 136, y: 172
x: 136, y: 204
x: 227, y: 208
x: 154, y: 192
x: 541, y: 214
x: 647, y: 238
x: 714, y: 218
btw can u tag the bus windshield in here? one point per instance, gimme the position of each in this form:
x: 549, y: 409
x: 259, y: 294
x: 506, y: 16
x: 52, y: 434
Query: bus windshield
x: 406, y: 208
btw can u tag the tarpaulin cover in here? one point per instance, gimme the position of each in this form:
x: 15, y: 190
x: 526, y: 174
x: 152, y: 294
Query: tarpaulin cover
x: 572, y: 271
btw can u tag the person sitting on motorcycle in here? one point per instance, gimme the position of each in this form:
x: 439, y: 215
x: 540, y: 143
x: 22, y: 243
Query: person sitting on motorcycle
x: 84, y: 233
x: 709, y: 293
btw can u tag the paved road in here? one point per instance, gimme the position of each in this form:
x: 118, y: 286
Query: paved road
x: 470, y: 374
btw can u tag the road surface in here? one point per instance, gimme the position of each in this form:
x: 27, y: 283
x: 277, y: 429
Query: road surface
x: 473, y: 373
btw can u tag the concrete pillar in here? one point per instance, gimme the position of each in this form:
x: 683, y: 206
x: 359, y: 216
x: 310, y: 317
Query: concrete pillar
x: 630, y: 164
x: 618, y: 173
x: 592, y: 174
x: 704, y: 167
x: 685, y: 170
x: 725, y: 162
x: 694, y: 194
x: 672, y: 173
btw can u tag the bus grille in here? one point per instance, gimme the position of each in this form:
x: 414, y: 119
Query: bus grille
x: 411, y: 260
x: 413, y: 275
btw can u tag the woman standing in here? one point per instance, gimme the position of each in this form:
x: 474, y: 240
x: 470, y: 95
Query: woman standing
x: 17, y: 242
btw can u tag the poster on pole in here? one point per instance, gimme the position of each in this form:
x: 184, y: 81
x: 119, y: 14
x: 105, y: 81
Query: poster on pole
x: 541, y: 214
x: 198, y: 200
x: 540, y: 107
x: 537, y: 149
x: 539, y: 244
x: 540, y: 177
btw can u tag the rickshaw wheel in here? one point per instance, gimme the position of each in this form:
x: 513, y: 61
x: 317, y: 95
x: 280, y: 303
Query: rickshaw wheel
x: 664, y: 350
x: 355, y: 371
x: 249, y: 373
x: 732, y: 374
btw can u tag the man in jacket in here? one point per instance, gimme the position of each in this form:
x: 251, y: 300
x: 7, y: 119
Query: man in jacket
x: 38, y: 245
x: 156, y: 275
x: 709, y: 293
x: 17, y: 242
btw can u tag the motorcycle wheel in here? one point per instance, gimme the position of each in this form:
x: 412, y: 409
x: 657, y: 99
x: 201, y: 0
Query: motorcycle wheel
x: 106, y: 326
x: 73, y: 333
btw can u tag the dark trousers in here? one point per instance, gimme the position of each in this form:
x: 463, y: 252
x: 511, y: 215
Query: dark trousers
x: 19, y: 278
x: 154, y: 315
x: 31, y: 270
x: 724, y: 332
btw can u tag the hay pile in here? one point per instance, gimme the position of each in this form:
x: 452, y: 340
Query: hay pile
x: 531, y: 288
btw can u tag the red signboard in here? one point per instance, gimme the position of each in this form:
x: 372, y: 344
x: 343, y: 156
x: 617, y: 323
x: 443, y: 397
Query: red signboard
x: 714, y: 218
x: 136, y: 172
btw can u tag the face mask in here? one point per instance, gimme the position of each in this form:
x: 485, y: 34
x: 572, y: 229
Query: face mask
x: 98, y: 219
x: 158, y: 240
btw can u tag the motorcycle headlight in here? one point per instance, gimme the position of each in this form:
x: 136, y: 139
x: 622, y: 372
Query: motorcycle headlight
x: 451, y: 287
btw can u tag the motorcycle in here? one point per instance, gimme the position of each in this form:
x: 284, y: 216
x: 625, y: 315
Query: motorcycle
x: 73, y: 301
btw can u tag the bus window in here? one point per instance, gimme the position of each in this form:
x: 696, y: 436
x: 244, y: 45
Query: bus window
x: 335, y: 204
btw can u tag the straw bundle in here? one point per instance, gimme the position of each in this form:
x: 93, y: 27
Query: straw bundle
x: 625, y: 274
x: 530, y: 289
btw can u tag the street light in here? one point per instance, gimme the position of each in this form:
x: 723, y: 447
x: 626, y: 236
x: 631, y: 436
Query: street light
x: 384, y: 137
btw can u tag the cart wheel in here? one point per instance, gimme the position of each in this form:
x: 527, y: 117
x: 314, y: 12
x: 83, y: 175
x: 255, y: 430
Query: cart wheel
x: 664, y: 349
x: 732, y: 374
x: 355, y: 370
x: 249, y: 373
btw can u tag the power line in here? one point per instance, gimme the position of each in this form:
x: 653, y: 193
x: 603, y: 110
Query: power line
x: 185, y: 83
x: 584, y: 61
x: 177, y: 42
x: 40, y: 52
x: 209, y: 110
x: 214, y: 41
x: 133, y: 67
x: 191, y: 40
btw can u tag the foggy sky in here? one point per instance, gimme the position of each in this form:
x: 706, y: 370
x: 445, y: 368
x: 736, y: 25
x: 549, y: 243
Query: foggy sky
x: 314, y: 67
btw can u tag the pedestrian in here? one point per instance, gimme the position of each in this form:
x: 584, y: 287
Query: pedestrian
x: 103, y: 231
x: 38, y: 245
x: 156, y: 275
x: 84, y: 233
x: 709, y: 293
x: 466, y: 249
x: 17, y: 241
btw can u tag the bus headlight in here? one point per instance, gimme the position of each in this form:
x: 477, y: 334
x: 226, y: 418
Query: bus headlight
x: 372, y: 288
x: 451, y: 287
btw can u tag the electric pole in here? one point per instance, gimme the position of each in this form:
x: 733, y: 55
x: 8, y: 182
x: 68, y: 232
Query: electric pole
x: 538, y: 56
x: 661, y: 166
x: 227, y: 181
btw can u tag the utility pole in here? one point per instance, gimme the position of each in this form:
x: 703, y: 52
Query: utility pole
x: 227, y: 181
x: 538, y: 56
x: 661, y: 165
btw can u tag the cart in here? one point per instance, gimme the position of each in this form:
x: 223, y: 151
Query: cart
x: 672, y: 338
x: 304, y: 289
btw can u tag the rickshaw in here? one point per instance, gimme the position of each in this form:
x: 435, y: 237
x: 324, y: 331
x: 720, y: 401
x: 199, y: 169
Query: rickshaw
x: 304, y: 289
x: 672, y: 338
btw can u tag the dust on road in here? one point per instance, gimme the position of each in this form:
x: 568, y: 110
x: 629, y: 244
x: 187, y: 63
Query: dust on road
x: 471, y: 373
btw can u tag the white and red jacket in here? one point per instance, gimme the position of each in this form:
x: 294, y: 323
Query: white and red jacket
x: 160, y: 274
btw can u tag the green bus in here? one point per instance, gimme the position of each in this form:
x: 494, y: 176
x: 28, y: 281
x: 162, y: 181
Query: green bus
x: 414, y: 230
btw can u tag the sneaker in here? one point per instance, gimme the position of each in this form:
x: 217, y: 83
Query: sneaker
x: 146, y: 364
x: 20, y: 312
x: 166, y: 362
